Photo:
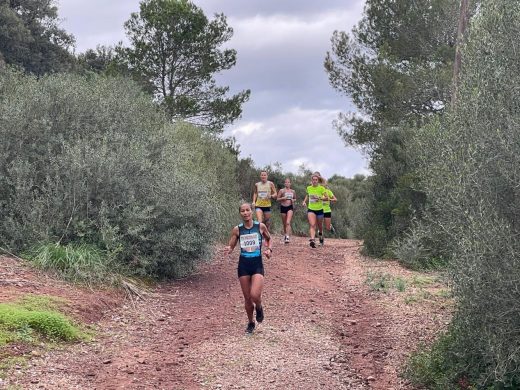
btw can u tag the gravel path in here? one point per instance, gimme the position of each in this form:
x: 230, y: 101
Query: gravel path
x: 324, y: 328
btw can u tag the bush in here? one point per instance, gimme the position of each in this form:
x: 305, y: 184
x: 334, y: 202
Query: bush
x: 470, y: 169
x: 93, y: 161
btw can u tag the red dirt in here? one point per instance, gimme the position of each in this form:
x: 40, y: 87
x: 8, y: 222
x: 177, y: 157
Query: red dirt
x: 324, y: 327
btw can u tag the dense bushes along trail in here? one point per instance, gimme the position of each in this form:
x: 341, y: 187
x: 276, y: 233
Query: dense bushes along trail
x: 326, y: 326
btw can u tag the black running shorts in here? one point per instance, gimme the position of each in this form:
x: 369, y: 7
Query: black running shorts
x: 250, y: 266
x: 285, y: 209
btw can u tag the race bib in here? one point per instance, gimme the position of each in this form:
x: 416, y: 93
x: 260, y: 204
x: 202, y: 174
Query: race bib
x: 249, y: 242
x: 262, y: 194
x: 288, y: 195
x: 314, y: 198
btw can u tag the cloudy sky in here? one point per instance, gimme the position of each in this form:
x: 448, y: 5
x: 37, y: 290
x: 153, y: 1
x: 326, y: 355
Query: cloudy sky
x: 281, y: 45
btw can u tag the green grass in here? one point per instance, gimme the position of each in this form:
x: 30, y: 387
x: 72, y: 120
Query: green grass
x: 81, y: 263
x: 383, y: 282
x: 33, y: 318
x: 400, y: 284
x: 422, y: 281
x: 378, y: 281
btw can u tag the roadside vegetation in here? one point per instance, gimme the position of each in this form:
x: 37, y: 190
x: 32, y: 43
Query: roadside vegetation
x: 442, y: 139
x: 35, y: 321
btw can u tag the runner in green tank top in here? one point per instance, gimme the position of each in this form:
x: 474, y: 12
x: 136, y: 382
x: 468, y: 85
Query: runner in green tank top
x: 327, y: 211
x: 316, y: 194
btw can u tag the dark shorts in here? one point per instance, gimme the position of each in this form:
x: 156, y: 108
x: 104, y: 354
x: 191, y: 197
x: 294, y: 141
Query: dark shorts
x: 327, y: 215
x: 319, y: 213
x: 264, y: 209
x: 250, y: 266
x: 285, y: 209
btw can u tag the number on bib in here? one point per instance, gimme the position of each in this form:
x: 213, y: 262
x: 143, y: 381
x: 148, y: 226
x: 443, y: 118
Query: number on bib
x: 250, y: 242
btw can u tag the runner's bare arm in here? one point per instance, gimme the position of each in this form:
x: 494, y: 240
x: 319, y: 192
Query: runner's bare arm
x: 267, y: 239
x: 254, y: 196
x: 279, y: 197
x: 232, y: 240
x: 273, y: 191
x: 305, y: 200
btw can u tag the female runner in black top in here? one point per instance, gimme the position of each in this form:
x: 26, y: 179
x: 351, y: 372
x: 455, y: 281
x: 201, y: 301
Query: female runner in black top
x: 251, y: 234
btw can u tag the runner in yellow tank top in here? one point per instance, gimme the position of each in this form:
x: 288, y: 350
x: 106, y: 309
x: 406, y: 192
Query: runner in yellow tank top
x: 263, y: 192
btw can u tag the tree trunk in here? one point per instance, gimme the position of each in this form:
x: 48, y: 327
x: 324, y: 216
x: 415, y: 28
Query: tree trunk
x: 463, y: 23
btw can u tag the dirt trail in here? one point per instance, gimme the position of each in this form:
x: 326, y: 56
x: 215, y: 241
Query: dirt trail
x: 323, y: 328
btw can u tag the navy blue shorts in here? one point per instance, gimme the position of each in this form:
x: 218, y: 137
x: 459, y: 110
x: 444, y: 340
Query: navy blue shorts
x: 319, y: 213
x: 264, y: 209
x: 250, y: 266
x: 327, y: 215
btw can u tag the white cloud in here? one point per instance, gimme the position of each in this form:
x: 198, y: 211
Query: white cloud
x: 288, y: 32
x: 298, y: 136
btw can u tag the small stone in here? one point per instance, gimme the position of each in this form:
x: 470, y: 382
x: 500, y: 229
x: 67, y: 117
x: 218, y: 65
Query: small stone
x: 371, y: 379
x: 107, y: 361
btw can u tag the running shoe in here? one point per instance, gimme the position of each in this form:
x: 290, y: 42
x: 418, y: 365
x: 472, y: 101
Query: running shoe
x: 321, y: 239
x: 332, y: 230
x: 259, y: 314
x: 250, y: 327
x: 312, y: 243
x: 286, y: 240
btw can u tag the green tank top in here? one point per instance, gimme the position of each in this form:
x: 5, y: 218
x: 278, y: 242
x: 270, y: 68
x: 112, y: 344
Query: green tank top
x: 326, y: 203
x: 315, y: 194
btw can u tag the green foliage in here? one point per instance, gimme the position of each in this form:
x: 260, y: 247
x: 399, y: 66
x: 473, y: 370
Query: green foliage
x: 378, y: 281
x: 176, y: 48
x: 383, y: 282
x: 30, y: 37
x: 92, y: 160
x: 23, y: 321
x: 470, y: 169
x: 83, y: 263
x: 396, y: 67
x: 437, y: 367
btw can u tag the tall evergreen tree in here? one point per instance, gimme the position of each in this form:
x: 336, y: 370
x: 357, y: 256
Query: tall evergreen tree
x: 396, y: 66
x: 176, y: 48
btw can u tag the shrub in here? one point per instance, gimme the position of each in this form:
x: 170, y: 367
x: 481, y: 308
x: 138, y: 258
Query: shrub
x: 92, y: 161
x: 470, y: 169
